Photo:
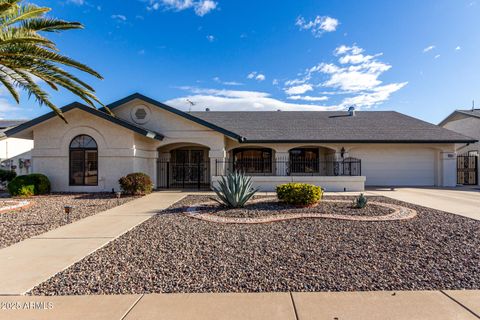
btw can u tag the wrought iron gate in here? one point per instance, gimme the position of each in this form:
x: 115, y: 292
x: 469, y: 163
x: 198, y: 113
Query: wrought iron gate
x: 467, y: 169
x: 183, y: 175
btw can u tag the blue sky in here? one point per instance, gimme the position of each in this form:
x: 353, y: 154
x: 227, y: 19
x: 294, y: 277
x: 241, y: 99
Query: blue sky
x: 416, y: 57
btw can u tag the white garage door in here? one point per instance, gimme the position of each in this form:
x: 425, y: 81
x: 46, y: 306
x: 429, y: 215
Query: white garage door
x: 392, y: 166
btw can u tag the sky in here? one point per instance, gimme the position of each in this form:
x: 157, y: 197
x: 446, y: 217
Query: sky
x: 420, y: 58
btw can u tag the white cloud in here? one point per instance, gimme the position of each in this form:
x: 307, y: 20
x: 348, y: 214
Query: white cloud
x: 257, y: 76
x: 204, y: 7
x: 275, y: 82
x: 210, y: 38
x: 301, y: 89
x: 229, y: 100
x: 319, y: 25
x: 119, y: 17
x: 200, y: 7
x: 355, y: 79
x: 429, y: 48
x: 437, y: 56
x: 308, y: 98
x: 260, y: 77
x: 458, y: 48
x: 227, y: 83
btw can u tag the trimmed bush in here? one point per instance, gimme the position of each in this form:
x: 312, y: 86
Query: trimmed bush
x: 27, y: 185
x: 7, y: 175
x: 137, y: 183
x: 299, y: 194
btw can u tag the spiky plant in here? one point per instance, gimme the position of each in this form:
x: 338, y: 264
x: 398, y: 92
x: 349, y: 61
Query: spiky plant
x: 26, y: 55
x: 235, y: 189
x: 360, y: 202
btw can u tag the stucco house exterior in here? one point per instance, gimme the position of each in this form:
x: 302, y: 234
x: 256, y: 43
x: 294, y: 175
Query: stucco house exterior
x: 337, y: 150
x: 466, y: 122
x: 14, y: 153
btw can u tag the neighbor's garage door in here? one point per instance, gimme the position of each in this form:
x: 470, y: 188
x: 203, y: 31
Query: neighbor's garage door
x: 397, y: 166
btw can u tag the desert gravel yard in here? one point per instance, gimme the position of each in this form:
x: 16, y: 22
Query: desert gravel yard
x: 45, y: 213
x: 172, y: 252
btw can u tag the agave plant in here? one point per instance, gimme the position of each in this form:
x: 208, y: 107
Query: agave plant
x: 235, y: 189
x: 360, y: 202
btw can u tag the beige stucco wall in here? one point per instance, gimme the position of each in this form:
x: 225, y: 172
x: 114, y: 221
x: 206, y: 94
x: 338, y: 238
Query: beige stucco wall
x: 469, y: 126
x: 119, y: 151
x: 387, y: 164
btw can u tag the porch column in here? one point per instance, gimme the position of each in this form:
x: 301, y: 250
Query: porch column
x: 448, y: 161
x: 219, y: 155
x: 281, y: 163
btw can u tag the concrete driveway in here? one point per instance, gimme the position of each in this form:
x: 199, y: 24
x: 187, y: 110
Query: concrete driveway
x: 462, y: 200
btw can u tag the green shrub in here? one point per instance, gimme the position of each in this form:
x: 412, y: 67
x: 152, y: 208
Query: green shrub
x: 234, y: 190
x: 302, y: 194
x: 360, y: 202
x: 137, y: 183
x: 35, y: 183
x: 7, y: 175
x: 26, y: 191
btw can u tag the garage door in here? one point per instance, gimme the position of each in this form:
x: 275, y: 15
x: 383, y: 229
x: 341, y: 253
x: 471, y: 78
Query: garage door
x: 391, y: 166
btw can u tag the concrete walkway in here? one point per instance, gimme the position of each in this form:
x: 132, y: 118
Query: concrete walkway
x: 33, y: 261
x: 462, y: 201
x: 424, y: 305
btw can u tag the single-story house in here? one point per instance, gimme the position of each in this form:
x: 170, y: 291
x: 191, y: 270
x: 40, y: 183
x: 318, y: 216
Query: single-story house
x: 337, y: 150
x: 466, y: 122
x: 14, y: 153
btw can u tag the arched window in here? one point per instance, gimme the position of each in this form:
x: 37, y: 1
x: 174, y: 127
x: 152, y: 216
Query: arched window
x: 83, y: 161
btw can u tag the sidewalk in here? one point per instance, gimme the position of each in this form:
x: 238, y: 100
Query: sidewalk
x: 424, y: 305
x: 32, y: 261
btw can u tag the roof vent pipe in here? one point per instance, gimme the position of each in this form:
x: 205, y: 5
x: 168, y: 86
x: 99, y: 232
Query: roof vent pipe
x: 351, y: 111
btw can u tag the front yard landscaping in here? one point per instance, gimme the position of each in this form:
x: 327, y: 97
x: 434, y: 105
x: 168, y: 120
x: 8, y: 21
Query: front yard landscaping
x: 175, y: 252
x: 44, y: 213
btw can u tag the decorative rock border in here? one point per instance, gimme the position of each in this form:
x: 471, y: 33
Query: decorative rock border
x: 14, y: 204
x: 400, y: 213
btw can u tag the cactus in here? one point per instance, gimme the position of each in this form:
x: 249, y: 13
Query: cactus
x: 234, y: 190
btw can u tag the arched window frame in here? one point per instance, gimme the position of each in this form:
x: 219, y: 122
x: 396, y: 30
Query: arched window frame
x: 83, y: 161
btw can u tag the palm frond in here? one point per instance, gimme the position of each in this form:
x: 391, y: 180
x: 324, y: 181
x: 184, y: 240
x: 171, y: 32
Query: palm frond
x: 25, y: 53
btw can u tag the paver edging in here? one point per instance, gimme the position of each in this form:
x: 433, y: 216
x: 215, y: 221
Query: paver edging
x: 400, y: 213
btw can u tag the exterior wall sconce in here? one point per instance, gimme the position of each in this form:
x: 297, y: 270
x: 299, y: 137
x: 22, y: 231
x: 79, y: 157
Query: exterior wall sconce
x: 342, y: 152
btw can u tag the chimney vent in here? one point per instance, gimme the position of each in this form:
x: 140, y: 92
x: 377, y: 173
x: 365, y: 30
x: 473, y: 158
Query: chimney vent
x: 351, y: 111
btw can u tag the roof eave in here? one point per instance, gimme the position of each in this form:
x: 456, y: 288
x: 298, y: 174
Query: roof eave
x: 360, y: 141
x: 77, y: 105
x: 180, y: 113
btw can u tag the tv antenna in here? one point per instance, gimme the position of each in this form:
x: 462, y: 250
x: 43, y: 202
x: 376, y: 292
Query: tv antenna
x: 191, y: 105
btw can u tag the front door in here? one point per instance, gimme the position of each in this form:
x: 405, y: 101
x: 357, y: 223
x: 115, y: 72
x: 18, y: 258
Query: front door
x: 187, y: 168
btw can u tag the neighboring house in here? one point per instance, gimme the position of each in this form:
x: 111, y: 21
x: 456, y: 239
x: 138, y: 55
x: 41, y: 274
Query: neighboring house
x: 336, y: 150
x: 14, y: 152
x: 466, y: 122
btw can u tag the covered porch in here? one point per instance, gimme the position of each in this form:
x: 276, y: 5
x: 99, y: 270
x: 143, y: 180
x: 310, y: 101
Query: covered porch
x: 329, y: 167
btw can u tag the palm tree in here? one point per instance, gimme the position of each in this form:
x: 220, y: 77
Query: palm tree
x: 26, y: 55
